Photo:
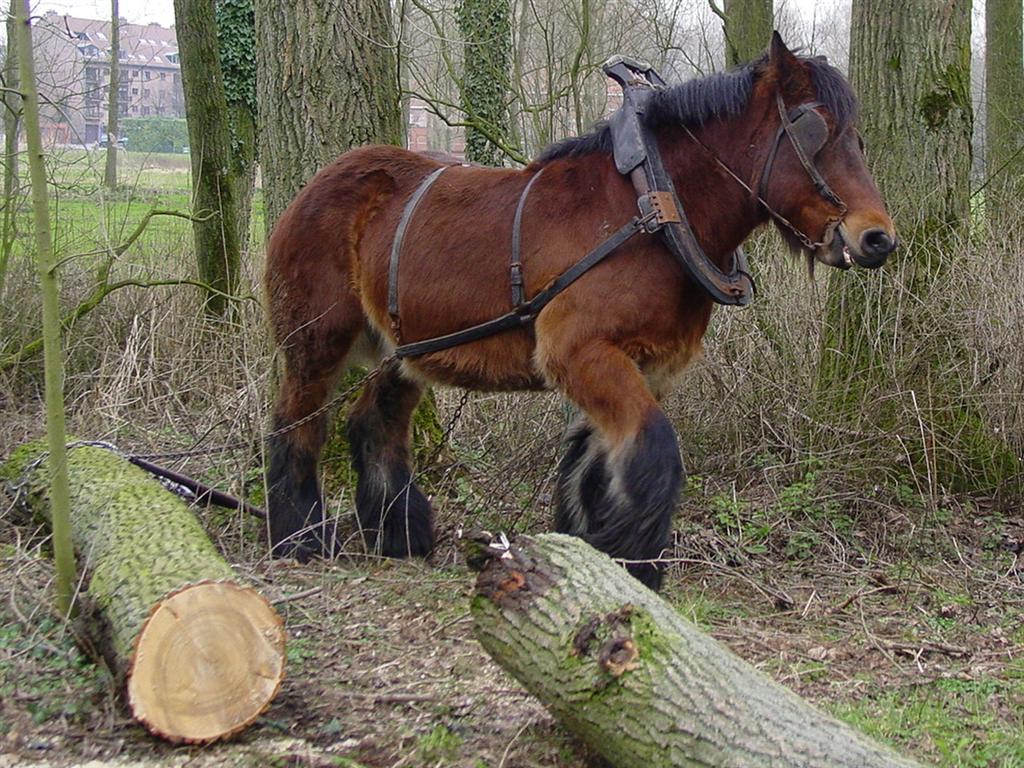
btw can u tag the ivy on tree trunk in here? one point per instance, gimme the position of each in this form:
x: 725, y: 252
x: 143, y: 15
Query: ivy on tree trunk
x: 236, y: 37
x: 486, y: 29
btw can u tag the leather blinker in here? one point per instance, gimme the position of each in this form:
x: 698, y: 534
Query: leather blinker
x: 810, y: 130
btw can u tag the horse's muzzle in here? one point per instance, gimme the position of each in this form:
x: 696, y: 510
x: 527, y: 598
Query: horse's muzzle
x: 870, y: 250
x: 875, y: 246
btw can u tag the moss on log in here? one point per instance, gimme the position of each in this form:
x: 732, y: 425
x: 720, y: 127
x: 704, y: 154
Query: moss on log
x: 202, y: 654
x: 619, y: 667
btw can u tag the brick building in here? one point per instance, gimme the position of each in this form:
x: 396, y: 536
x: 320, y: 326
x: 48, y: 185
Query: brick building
x: 73, y: 69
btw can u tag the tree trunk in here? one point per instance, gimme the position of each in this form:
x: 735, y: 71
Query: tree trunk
x: 486, y: 29
x: 236, y: 39
x: 910, y: 65
x: 12, y: 126
x: 327, y: 81
x: 53, y: 348
x: 161, y: 591
x: 747, y: 25
x: 113, y: 100
x: 213, y: 187
x: 1004, y: 113
x: 620, y: 669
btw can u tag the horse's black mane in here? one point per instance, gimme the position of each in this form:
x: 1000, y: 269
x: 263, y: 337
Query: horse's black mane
x: 723, y: 94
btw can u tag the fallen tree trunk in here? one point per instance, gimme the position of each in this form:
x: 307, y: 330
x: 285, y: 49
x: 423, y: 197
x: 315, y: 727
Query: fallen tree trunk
x: 202, y: 654
x: 619, y: 667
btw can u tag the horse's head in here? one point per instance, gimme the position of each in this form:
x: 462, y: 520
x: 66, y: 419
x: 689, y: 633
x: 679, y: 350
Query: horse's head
x: 814, y: 181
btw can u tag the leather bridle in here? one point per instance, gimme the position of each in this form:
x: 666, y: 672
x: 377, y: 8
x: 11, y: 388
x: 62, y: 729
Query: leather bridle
x: 807, y: 132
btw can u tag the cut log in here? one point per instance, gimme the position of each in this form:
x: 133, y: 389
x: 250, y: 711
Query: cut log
x: 628, y: 676
x: 201, y: 653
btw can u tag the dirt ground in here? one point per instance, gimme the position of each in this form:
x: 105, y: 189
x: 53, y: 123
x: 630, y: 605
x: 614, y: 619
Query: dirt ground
x: 913, y: 633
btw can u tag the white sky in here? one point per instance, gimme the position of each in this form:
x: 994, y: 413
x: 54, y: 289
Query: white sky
x: 135, y: 11
x: 162, y: 11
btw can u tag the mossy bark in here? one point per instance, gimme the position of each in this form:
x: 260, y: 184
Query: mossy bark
x: 214, y: 187
x: 113, y: 97
x: 748, y: 28
x: 619, y: 667
x: 891, y: 360
x: 53, y: 342
x: 11, y: 100
x: 1004, y: 113
x: 140, y: 548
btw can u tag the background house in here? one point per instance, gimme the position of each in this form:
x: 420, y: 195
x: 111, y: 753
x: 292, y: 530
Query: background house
x: 73, y: 68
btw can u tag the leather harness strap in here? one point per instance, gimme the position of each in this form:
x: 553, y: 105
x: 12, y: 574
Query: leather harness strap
x: 396, y: 247
x: 526, y: 313
x: 636, y: 155
x: 516, y: 264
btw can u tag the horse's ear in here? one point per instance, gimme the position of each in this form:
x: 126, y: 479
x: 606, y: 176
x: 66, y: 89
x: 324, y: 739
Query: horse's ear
x: 788, y: 68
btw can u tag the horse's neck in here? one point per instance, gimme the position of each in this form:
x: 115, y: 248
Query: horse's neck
x: 721, y: 212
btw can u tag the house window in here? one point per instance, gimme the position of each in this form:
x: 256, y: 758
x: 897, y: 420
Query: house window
x: 135, y: 91
x: 146, y: 74
x: 163, y: 75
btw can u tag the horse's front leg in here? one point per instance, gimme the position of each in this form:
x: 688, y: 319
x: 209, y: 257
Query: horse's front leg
x: 622, y: 472
x: 582, y: 478
x: 395, y: 517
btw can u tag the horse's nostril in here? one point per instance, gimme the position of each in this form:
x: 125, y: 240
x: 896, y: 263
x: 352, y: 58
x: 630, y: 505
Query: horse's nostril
x: 877, y: 242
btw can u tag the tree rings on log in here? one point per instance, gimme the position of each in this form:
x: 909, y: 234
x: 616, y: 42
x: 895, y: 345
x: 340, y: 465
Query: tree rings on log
x: 208, y: 661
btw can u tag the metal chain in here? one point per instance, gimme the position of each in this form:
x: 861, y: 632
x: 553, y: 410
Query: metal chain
x: 449, y: 428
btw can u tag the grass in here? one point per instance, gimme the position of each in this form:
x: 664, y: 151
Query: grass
x: 974, y: 722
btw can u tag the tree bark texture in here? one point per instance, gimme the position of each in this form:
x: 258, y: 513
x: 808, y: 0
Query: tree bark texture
x: 1004, y: 112
x: 203, y: 655
x: 327, y: 81
x: 619, y: 668
x: 114, y: 97
x: 486, y: 29
x: 910, y: 64
x: 53, y: 342
x: 748, y: 27
x: 12, y: 127
x: 217, y: 238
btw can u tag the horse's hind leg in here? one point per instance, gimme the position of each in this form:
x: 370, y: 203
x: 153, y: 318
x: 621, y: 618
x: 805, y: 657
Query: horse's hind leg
x: 294, y: 503
x: 394, y: 515
x: 622, y: 470
x: 315, y: 352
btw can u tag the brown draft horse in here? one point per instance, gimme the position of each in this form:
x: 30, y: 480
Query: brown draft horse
x: 612, y: 343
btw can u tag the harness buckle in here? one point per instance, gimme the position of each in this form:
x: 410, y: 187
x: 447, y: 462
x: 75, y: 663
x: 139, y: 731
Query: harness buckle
x: 657, y: 209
